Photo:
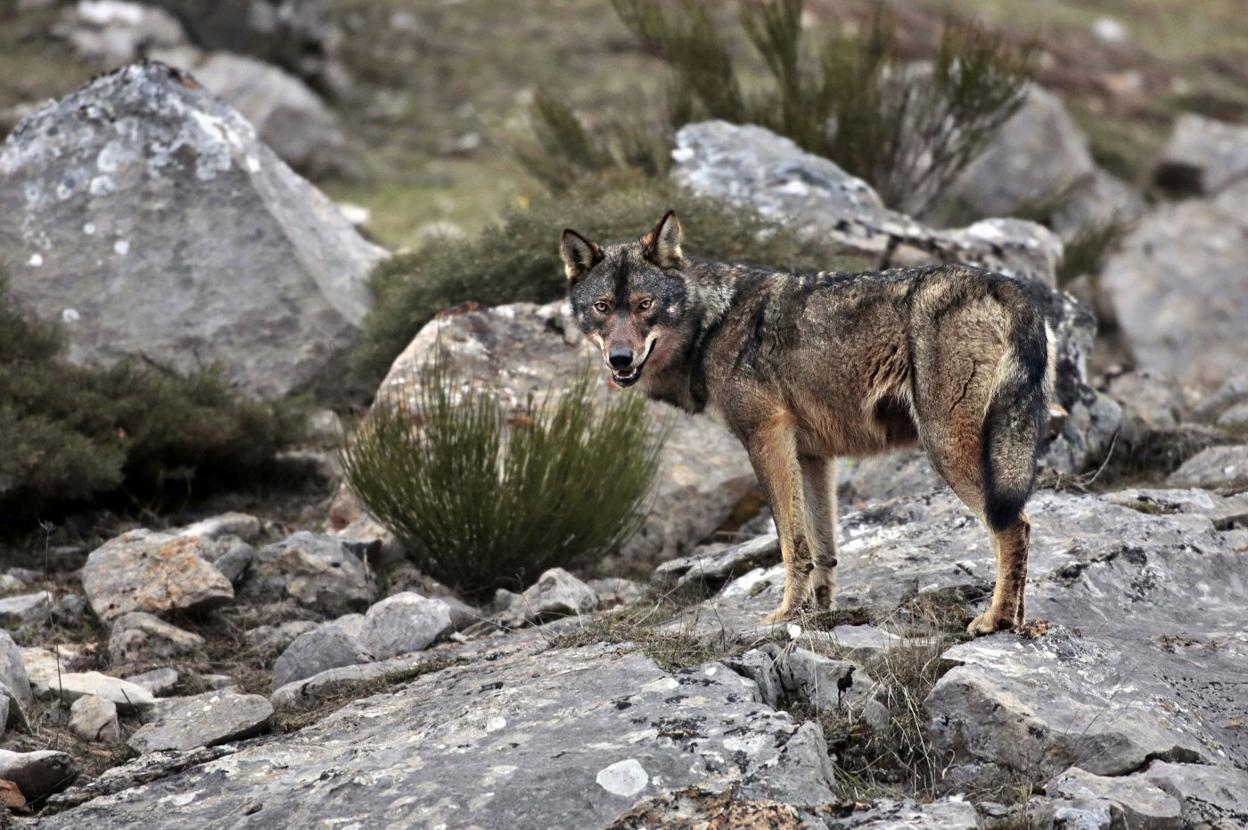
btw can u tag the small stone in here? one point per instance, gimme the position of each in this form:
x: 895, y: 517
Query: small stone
x: 556, y: 593
x: 242, y: 525
x: 216, y: 682
x: 325, y: 647
x: 36, y: 773
x: 231, y: 556
x: 156, y: 681
x: 624, y: 778
x: 95, y: 719
x: 204, y: 720
x: 70, y: 610
x: 615, y: 590
x: 155, y: 572
x: 404, y: 623
x: 25, y: 609
x: 317, y: 571
x: 273, y: 639
x: 141, y: 637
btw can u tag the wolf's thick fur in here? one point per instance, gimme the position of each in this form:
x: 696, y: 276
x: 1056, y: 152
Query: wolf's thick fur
x: 805, y: 368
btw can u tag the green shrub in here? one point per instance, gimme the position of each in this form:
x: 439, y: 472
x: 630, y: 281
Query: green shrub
x: 853, y: 98
x: 517, y: 260
x: 483, y: 497
x: 69, y: 433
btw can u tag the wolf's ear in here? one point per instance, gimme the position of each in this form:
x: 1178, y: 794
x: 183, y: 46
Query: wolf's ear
x: 579, y: 255
x: 662, y: 245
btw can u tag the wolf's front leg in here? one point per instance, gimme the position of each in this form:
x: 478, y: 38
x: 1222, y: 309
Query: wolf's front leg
x: 819, y: 497
x: 773, y: 453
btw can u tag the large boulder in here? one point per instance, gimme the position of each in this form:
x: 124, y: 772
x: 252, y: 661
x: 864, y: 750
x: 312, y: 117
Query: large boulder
x: 528, y: 350
x: 1178, y: 288
x: 328, y: 646
x: 142, y: 570
x: 752, y: 166
x: 126, y: 209
x: 1037, y: 156
x: 403, y: 623
x: 1202, y: 155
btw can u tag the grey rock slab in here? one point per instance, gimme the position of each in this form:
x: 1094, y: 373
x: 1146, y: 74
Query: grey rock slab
x: 141, y: 637
x: 125, y: 208
x: 1177, y: 289
x: 519, y: 742
x: 1224, y: 511
x: 1216, y: 468
x: 1139, y: 803
x: 94, y: 718
x: 328, y: 646
x: 143, y: 570
x: 156, y: 681
x: 37, y: 773
x: 1096, y: 201
x: 319, y: 572
x: 1212, y: 796
x: 882, y: 477
x: 526, y: 350
x: 1203, y: 155
x: 207, y: 719
x: 404, y: 623
x: 25, y: 609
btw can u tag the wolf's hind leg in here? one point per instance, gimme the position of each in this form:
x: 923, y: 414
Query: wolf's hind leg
x: 773, y: 453
x: 819, y: 491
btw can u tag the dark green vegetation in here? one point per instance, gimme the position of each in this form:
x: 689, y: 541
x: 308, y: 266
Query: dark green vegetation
x: 485, y: 497
x: 70, y: 434
x: 853, y: 97
x: 517, y: 260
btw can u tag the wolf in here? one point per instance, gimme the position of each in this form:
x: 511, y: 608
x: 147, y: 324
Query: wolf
x: 806, y: 368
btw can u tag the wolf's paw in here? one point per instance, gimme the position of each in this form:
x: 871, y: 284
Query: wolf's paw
x: 990, y: 622
x: 781, y: 614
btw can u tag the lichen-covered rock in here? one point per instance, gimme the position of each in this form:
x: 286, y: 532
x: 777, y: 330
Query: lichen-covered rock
x: 143, y: 570
x: 531, y: 350
x: 404, y: 623
x: 750, y: 165
x: 211, y: 718
x: 125, y: 209
x: 319, y: 572
x: 1202, y: 156
x: 140, y: 637
x: 566, y: 738
x: 1178, y: 288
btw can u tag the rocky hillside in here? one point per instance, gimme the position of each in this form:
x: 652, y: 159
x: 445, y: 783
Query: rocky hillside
x: 174, y: 663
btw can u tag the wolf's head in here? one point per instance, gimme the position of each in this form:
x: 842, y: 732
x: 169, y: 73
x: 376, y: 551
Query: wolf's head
x: 630, y: 298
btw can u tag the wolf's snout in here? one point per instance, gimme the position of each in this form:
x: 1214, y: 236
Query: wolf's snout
x: 620, y: 357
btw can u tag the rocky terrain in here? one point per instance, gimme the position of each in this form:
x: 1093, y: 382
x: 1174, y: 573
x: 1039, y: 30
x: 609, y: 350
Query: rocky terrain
x: 284, y: 667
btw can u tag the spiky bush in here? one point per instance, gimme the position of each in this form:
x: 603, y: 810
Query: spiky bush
x: 70, y: 433
x: 517, y: 260
x: 484, y: 497
x: 907, y: 130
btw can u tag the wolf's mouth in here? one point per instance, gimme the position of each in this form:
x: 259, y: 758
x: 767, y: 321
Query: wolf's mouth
x: 625, y: 378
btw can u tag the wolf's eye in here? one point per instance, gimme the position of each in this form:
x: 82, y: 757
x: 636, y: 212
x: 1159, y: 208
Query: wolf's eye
x: 645, y: 304
x: 601, y: 308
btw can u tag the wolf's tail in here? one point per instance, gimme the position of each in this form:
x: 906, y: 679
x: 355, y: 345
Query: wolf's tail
x: 1017, y: 410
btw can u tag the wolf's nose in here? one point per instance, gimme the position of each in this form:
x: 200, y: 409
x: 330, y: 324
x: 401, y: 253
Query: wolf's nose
x: 621, y: 357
